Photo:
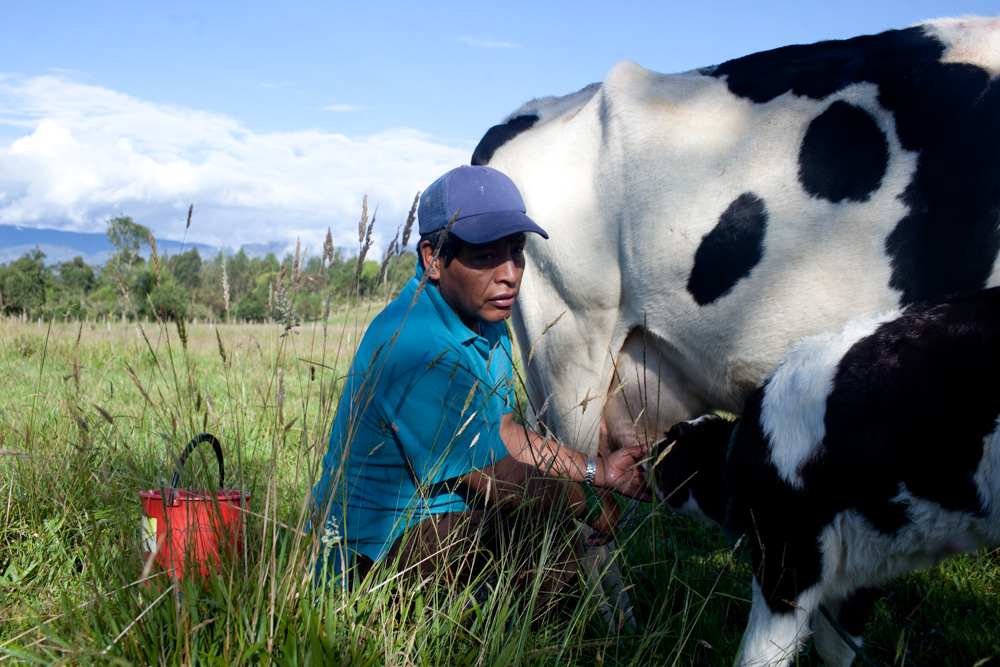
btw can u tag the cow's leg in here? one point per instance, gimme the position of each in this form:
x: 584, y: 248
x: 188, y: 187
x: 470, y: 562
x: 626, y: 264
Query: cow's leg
x: 647, y: 396
x: 850, y: 614
x: 605, y: 578
x: 567, y: 391
x: 829, y: 645
x: 776, y: 629
x: 787, y: 588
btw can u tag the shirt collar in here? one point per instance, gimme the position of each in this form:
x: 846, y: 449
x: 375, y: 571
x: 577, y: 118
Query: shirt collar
x: 452, y: 322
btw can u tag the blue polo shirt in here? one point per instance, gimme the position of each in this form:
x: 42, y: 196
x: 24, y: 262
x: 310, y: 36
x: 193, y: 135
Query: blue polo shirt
x: 421, y: 407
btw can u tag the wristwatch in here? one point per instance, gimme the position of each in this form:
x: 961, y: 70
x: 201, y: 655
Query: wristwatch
x: 588, y: 476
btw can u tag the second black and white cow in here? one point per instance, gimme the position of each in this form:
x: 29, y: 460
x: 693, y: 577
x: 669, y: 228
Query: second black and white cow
x: 865, y: 454
x: 701, y: 222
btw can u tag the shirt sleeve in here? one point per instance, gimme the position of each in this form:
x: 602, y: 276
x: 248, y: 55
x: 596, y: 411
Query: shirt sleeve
x: 446, y: 420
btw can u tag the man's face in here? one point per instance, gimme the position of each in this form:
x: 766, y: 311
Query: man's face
x: 482, y: 280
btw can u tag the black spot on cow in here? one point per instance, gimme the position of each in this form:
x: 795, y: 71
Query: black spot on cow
x: 821, y: 69
x: 948, y: 242
x: 729, y: 252
x: 498, y: 135
x: 946, y: 113
x: 844, y: 155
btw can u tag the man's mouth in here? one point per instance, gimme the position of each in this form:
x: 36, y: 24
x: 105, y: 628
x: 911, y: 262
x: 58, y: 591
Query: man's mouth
x: 505, y: 301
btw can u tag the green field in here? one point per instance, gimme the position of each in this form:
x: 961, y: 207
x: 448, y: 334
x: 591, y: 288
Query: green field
x: 91, y: 414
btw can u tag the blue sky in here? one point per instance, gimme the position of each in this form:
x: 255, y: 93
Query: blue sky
x: 275, y: 120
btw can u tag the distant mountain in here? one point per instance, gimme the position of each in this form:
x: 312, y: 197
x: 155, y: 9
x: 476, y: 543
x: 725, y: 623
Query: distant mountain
x: 60, y: 246
x: 261, y: 249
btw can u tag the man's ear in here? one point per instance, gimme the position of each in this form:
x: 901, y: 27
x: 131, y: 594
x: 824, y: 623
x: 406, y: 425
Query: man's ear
x: 426, y: 250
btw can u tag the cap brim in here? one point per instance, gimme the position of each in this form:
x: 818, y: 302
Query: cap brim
x: 487, y: 227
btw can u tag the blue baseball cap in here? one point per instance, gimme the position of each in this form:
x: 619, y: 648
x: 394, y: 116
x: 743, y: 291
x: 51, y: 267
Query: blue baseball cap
x: 486, y: 201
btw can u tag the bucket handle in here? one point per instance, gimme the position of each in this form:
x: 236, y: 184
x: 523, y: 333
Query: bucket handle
x: 201, y: 437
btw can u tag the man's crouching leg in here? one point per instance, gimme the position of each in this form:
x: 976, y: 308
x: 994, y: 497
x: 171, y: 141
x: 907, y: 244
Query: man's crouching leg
x: 533, y: 554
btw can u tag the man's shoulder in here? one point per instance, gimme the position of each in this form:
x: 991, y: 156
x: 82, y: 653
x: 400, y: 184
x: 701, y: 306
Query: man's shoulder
x: 408, y: 333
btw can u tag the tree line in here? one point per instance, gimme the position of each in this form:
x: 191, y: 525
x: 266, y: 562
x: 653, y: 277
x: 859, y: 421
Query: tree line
x: 233, y: 287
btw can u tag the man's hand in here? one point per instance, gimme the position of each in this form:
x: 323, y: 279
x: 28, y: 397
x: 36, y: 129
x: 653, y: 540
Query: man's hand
x: 621, y: 472
x: 618, y: 471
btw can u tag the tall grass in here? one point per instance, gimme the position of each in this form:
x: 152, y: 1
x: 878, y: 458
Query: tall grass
x: 90, y: 415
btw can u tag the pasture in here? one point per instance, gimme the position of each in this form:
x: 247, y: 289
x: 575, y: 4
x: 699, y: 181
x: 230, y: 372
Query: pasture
x: 91, y: 414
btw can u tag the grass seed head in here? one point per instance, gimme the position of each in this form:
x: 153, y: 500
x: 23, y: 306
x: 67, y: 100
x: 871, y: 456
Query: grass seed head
x: 362, y: 225
x: 327, y: 251
x: 366, y: 244
x: 389, y: 254
x: 296, y: 266
x: 281, y: 394
x: 410, y: 218
x: 181, y: 329
x: 156, y: 259
x: 225, y: 288
x: 222, y: 349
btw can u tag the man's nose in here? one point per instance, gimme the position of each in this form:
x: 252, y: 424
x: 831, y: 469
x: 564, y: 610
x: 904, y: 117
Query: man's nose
x: 506, y: 272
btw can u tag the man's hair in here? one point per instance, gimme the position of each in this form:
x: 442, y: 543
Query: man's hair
x: 450, y: 244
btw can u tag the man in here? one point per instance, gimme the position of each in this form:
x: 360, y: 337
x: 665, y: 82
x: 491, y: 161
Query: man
x: 426, y: 464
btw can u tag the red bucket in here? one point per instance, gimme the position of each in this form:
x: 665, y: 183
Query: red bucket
x: 189, y: 530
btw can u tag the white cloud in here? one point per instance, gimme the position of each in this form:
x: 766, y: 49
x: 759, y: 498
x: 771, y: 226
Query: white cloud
x: 88, y: 153
x: 488, y: 43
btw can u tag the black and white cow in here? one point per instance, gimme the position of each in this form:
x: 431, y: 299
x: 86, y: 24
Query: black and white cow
x: 702, y: 222
x: 866, y: 454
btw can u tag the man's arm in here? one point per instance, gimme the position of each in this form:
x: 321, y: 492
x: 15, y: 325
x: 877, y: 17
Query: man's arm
x: 541, y: 473
x: 511, y: 484
x: 618, y: 472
